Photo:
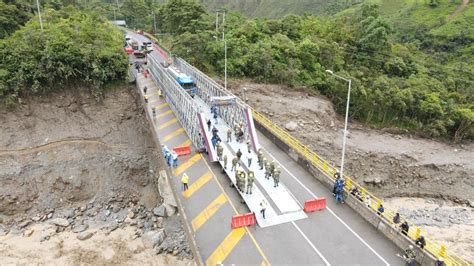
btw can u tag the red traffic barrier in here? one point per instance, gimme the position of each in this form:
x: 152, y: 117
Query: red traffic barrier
x: 145, y: 73
x: 314, y: 205
x: 128, y: 50
x: 185, y: 150
x: 242, y: 220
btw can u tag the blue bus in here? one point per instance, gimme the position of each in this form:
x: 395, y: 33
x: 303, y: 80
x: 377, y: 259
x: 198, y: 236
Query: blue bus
x: 185, y: 81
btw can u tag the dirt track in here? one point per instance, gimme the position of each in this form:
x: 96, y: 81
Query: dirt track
x: 70, y: 165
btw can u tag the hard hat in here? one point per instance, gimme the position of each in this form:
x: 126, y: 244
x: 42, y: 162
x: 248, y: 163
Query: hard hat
x: 410, y: 246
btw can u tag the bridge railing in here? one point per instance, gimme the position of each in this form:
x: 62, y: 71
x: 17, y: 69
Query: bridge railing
x: 179, y: 101
x: 207, y: 88
x: 436, y: 249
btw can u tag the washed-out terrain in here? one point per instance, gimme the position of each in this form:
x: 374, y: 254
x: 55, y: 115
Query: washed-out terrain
x: 78, y: 184
x: 431, y: 182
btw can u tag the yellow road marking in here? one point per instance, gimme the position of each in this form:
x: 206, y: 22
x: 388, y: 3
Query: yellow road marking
x: 168, y: 123
x: 164, y: 114
x: 161, y: 106
x: 187, y: 164
x: 173, y: 134
x: 226, y: 246
x: 263, y: 263
x: 235, y: 211
x: 208, y: 212
x: 196, y: 185
x: 186, y: 143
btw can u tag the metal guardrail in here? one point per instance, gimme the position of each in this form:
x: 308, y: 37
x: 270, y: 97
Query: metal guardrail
x: 179, y: 101
x: 436, y: 249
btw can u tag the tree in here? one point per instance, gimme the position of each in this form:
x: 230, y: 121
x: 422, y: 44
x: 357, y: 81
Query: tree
x: 13, y: 15
x: 75, y: 49
x: 136, y: 14
x: 464, y: 122
x: 179, y: 16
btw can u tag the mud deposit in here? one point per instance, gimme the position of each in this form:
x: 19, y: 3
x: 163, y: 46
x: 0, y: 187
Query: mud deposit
x: 74, y: 169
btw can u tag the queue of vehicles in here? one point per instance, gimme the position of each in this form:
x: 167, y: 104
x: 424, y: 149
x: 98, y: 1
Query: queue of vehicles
x: 139, y: 50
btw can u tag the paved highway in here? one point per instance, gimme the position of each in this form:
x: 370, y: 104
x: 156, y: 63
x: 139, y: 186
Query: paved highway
x: 336, y: 236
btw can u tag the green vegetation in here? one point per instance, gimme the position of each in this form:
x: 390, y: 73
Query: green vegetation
x: 279, y: 8
x: 76, y: 49
x: 411, y: 61
x: 413, y: 76
x: 13, y: 15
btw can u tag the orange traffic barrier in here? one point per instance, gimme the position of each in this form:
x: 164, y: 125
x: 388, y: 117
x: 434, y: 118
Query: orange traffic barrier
x: 314, y: 205
x: 185, y: 150
x: 241, y: 220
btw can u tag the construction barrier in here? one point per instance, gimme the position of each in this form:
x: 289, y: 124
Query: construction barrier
x: 242, y: 220
x: 185, y: 150
x: 315, y: 205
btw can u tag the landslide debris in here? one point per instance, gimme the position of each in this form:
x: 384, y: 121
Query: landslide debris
x: 76, y: 173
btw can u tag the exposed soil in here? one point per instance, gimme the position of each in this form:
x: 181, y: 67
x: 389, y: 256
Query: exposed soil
x: 388, y: 162
x: 71, y: 166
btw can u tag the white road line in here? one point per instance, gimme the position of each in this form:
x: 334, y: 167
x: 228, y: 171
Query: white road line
x: 311, y: 244
x: 337, y: 217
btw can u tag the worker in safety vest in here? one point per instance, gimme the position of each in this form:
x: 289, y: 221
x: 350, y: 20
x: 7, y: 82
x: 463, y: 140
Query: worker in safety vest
x: 250, y: 179
x: 146, y: 98
x: 276, y: 176
x: 185, y: 181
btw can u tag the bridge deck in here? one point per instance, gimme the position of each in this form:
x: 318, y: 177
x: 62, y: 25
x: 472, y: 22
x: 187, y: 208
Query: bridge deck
x: 282, y: 205
x: 335, y: 236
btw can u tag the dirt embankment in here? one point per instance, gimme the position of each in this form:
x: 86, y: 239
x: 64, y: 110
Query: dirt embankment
x: 389, y: 163
x: 77, y: 177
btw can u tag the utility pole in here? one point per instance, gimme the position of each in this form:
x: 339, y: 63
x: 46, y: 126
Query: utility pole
x: 39, y: 14
x: 225, y: 49
x: 154, y: 21
x: 225, y: 64
x: 349, y: 81
x: 217, y: 20
x: 223, y: 25
x: 115, y: 18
